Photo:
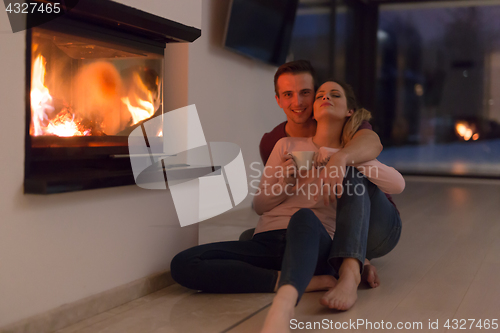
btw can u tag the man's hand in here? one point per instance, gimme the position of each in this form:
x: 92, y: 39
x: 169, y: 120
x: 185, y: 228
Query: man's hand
x: 332, y: 177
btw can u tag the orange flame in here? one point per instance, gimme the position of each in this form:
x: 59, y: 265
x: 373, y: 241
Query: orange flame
x: 41, y: 101
x: 140, y: 103
x: 63, y: 124
x: 139, y: 109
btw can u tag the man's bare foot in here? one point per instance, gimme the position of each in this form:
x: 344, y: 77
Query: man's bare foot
x: 282, y: 310
x: 345, y: 293
x: 321, y: 282
x: 370, y: 276
x: 342, y: 296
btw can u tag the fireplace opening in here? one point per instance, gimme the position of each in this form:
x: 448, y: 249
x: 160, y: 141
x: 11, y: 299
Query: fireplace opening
x: 90, y: 90
x: 90, y: 82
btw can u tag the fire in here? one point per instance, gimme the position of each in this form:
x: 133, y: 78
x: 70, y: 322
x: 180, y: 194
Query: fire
x: 64, y: 123
x: 139, y: 113
x: 466, y: 131
x: 67, y: 122
x: 41, y: 101
x: 139, y: 109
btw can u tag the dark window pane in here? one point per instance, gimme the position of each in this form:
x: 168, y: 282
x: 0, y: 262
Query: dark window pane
x: 438, y: 88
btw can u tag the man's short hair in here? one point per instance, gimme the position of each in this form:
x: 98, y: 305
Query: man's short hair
x: 294, y: 67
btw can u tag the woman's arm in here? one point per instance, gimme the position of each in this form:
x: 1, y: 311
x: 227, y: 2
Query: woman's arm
x: 388, y: 179
x: 278, y: 175
x: 364, y: 146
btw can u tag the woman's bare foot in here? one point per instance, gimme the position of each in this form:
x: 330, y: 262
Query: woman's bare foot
x: 345, y: 293
x: 321, y: 282
x: 282, y: 310
x: 370, y: 275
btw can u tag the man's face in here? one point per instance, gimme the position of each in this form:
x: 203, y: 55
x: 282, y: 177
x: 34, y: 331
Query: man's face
x: 296, y: 96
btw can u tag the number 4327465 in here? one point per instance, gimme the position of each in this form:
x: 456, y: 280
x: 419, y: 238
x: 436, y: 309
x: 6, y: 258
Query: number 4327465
x: 462, y: 324
x: 33, y: 7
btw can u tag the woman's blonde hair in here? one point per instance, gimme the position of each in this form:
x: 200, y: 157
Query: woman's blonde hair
x: 352, y: 124
x: 359, y: 115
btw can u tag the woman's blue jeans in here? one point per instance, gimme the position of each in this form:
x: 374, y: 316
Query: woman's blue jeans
x: 367, y: 226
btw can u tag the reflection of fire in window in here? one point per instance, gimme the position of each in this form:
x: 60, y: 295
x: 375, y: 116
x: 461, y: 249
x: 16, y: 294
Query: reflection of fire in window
x: 466, y: 131
x: 80, y: 89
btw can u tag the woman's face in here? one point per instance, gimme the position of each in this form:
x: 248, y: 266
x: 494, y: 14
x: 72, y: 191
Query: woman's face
x: 330, y: 101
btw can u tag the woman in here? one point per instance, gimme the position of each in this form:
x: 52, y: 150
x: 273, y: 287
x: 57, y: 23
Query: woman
x: 303, y: 243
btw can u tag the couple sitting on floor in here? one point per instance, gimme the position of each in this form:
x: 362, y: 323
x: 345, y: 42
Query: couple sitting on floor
x: 306, y: 242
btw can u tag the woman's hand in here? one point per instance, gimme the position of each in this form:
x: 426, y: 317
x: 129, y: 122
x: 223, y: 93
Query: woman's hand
x: 321, y: 157
x: 289, y: 168
x: 332, y: 177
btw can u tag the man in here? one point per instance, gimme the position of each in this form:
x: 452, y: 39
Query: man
x: 295, y: 87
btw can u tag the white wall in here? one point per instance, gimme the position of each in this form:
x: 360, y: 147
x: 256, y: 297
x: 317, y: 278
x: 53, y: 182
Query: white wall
x: 187, y: 12
x: 234, y: 95
x: 61, y: 248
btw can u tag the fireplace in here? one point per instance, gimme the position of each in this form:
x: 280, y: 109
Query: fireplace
x: 91, y: 80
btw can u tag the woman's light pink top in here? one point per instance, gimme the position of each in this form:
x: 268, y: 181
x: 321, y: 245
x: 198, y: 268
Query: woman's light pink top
x: 277, y: 206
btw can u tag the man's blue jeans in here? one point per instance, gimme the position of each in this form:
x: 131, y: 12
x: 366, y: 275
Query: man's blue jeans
x: 367, y: 226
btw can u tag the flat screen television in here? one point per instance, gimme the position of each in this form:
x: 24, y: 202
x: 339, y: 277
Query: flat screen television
x: 261, y: 29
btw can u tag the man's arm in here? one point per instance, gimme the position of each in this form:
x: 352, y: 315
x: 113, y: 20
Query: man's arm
x: 364, y: 146
x: 265, y: 148
x: 279, y: 170
x: 269, y: 140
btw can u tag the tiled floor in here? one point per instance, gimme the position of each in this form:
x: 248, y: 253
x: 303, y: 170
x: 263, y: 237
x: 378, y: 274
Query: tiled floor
x: 446, y: 266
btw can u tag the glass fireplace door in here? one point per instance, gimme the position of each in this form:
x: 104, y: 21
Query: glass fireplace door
x: 90, y: 89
